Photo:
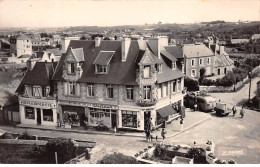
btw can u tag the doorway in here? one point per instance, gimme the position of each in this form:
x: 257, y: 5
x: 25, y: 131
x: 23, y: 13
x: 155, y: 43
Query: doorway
x: 113, y: 120
x: 39, y: 117
x: 147, y: 116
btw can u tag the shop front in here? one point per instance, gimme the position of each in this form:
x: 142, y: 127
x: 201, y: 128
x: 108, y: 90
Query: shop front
x: 88, y: 114
x: 167, y: 114
x: 38, y: 111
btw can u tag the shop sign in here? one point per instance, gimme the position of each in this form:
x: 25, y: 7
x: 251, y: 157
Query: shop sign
x: 93, y: 105
x: 37, y: 104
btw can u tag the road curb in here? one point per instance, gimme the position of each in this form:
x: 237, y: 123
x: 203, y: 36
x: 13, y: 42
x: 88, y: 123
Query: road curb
x: 192, y: 126
x: 117, y: 134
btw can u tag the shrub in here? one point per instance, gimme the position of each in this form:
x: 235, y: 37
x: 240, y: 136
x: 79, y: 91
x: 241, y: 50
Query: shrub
x: 192, y: 85
x: 26, y: 136
x: 117, y: 158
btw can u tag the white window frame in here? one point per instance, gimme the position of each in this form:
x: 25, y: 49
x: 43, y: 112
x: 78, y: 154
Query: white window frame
x: 110, y: 88
x: 200, y: 61
x: 192, y: 62
x: 72, y: 85
x: 147, y: 91
x: 101, y: 69
x: 129, y: 92
x: 147, y: 70
x: 91, y: 90
x: 192, y: 73
x: 208, y: 60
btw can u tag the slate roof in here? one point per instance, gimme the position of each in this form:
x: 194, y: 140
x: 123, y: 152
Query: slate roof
x: 168, y: 74
x: 104, y: 57
x: 222, y: 61
x: 23, y: 37
x: 24, y: 56
x: 123, y: 73
x: 41, y: 74
x: 176, y: 51
x: 192, y: 51
x: 168, y: 55
x: 56, y: 52
x: 78, y: 53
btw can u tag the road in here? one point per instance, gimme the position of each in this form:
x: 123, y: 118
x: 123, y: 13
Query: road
x: 242, y: 95
x: 235, y: 138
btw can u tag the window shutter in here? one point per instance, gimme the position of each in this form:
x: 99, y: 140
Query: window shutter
x: 65, y: 88
x: 77, y: 89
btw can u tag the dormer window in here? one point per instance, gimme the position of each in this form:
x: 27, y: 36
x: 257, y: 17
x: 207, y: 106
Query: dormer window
x: 71, y: 68
x: 101, y: 69
x: 158, y: 67
x: 147, y: 71
x: 174, y: 65
x: 102, y: 62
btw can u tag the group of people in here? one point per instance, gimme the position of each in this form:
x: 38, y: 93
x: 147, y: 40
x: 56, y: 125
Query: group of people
x: 242, y: 111
x: 149, y: 128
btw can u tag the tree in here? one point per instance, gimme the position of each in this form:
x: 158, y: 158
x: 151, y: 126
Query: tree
x: 96, y: 35
x: 83, y: 38
x: 118, y: 158
x: 192, y: 85
x: 106, y: 38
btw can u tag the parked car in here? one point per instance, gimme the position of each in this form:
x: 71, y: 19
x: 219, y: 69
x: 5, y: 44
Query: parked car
x: 223, y: 109
x: 204, y: 101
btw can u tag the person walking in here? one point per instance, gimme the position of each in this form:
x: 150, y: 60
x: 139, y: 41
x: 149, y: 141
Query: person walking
x: 242, y: 112
x: 181, y: 125
x: 163, y: 134
x: 234, y: 111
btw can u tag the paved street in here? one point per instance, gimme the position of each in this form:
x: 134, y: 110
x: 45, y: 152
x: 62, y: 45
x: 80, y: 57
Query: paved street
x: 235, y: 138
x: 241, y: 95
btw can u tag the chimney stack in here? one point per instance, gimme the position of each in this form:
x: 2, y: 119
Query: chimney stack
x: 125, y: 45
x: 221, y: 50
x: 97, y: 41
x: 155, y: 45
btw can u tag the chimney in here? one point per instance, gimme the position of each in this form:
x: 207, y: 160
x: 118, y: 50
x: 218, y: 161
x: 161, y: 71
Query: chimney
x: 125, y: 45
x: 221, y: 50
x: 154, y: 43
x: 97, y: 41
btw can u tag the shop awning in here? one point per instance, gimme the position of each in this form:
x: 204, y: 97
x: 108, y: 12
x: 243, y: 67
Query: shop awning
x: 166, y: 111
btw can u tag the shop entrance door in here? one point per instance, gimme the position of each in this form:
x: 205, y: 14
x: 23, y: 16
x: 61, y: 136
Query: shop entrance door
x: 39, y: 118
x: 147, y: 116
x: 113, y: 120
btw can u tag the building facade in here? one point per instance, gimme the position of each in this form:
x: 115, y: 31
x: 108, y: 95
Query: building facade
x: 37, y: 101
x: 23, y: 45
x: 197, y: 57
x: 118, y: 84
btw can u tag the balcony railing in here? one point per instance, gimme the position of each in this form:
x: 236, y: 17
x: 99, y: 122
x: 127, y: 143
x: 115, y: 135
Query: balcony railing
x: 146, y: 102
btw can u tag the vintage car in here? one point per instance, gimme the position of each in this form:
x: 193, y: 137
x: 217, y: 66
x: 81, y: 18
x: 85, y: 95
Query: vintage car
x: 204, y: 101
x: 223, y: 109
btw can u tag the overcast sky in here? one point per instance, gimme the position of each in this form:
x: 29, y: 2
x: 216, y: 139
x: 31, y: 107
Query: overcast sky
x: 52, y: 13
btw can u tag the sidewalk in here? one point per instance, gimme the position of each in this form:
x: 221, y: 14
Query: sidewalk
x: 191, y: 120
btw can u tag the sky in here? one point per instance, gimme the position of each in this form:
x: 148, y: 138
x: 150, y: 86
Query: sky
x: 60, y: 13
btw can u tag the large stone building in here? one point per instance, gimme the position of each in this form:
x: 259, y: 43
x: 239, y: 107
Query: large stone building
x: 114, y: 83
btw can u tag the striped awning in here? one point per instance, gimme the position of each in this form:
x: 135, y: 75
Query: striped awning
x: 166, y: 111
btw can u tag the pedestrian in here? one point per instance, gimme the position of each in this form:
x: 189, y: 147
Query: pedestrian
x: 156, y: 138
x: 115, y: 130
x: 181, y: 125
x: 242, y: 112
x: 194, y: 145
x: 195, y: 107
x: 234, y: 111
x: 163, y: 134
x: 146, y: 135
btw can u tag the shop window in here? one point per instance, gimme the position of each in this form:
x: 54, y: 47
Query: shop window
x: 146, y: 71
x: 90, y: 89
x: 129, y: 92
x: 174, y: 86
x: 29, y: 113
x: 129, y: 119
x: 110, y: 93
x: 47, y: 115
x: 147, y: 92
x: 72, y: 88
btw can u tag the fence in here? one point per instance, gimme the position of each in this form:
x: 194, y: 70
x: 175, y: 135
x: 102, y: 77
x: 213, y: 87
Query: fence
x: 232, y: 88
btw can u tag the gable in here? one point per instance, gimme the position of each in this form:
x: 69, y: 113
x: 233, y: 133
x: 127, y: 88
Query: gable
x: 147, y: 58
x: 70, y: 57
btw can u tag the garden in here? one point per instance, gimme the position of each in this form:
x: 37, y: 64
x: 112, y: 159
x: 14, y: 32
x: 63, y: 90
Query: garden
x: 32, y: 153
x: 160, y: 153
